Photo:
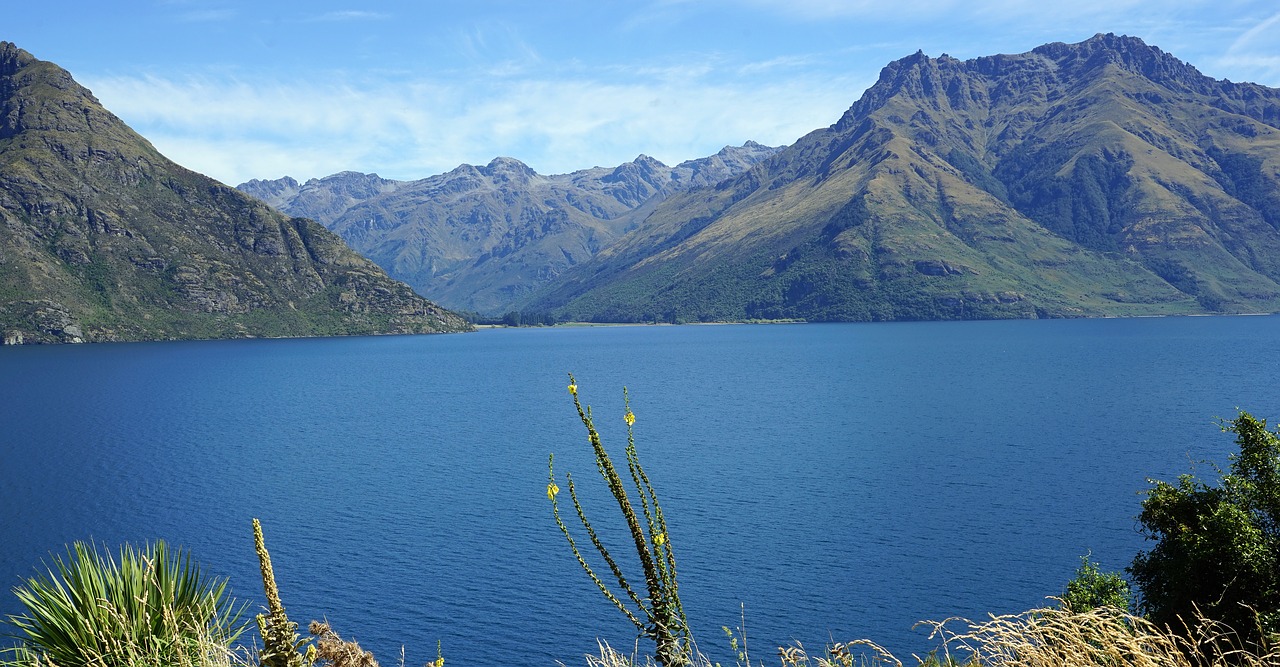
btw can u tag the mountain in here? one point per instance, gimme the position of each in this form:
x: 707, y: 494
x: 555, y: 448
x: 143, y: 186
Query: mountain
x: 320, y: 199
x: 1100, y: 178
x: 483, y: 238
x: 104, y: 239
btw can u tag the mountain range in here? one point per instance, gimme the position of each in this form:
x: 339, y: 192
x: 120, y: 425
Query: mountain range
x: 1100, y: 178
x: 102, y: 238
x: 486, y: 238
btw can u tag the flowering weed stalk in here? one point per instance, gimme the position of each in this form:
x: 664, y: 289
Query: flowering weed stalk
x: 281, y: 644
x: 658, y: 615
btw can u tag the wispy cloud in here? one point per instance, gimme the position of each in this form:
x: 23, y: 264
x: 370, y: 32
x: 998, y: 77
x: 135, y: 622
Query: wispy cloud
x: 1252, y: 54
x: 207, y: 15
x: 1249, y: 38
x: 499, y: 95
x: 235, y: 131
x: 924, y: 10
x: 499, y: 44
x: 351, y: 15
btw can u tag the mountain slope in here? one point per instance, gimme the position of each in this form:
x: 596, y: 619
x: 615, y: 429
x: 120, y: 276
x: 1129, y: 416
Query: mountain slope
x: 103, y: 238
x: 1100, y: 178
x: 484, y: 238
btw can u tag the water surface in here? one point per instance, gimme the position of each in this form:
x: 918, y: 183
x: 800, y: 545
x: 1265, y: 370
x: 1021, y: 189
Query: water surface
x: 838, y: 481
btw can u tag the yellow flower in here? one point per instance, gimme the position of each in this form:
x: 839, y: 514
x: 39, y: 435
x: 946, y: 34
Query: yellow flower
x: 552, y: 490
x: 660, y: 539
x: 573, y: 389
x: 630, y: 418
x: 438, y: 663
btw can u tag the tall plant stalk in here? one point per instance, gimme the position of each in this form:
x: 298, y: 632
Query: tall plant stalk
x: 659, y: 615
x: 280, y: 641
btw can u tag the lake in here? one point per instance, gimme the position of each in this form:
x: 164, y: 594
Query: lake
x: 832, y: 481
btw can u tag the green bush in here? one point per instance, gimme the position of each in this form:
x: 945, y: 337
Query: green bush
x: 1092, y: 588
x: 1217, y: 549
x: 152, y: 607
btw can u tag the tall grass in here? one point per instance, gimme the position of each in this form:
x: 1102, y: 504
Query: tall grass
x: 1104, y: 636
x: 1049, y: 637
x: 151, y: 607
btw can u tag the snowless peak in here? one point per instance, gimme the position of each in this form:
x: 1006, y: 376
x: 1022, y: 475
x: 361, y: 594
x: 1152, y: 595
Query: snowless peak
x: 651, y: 162
x: 508, y: 164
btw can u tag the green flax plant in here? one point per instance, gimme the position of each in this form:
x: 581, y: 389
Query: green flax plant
x: 152, y: 607
x: 658, y: 615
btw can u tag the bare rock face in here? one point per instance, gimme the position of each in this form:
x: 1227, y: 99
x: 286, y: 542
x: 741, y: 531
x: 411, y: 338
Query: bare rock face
x: 103, y: 238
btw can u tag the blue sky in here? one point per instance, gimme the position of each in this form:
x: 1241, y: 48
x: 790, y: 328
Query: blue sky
x: 241, y: 90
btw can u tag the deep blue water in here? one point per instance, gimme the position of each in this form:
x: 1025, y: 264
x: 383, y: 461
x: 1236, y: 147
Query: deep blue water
x: 839, y: 481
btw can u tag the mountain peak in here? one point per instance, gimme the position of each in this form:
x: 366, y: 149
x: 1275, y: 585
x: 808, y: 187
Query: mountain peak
x: 502, y: 163
x: 648, y: 162
x: 944, y: 191
x: 930, y: 80
x: 1128, y: 53
x: 13, y: 58
x: 508, y: 170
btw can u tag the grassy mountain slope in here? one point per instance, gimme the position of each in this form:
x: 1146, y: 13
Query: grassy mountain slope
x: 1100, y: 178
x: 103, y: 238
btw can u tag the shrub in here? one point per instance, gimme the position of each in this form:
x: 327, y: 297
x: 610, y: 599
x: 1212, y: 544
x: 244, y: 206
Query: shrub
x: 152, y: 607
x: 1092, y: 588
x: 1217, y: 549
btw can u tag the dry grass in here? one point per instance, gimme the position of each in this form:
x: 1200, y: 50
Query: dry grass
x: 1049, y: 637
x: 1104, y: 637
x: 334, y: 650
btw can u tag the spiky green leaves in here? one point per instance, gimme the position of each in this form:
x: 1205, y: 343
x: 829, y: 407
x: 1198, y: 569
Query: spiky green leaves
x: 149, y: 606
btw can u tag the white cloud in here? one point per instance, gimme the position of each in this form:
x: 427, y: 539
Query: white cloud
x: 235, y: 130
x: 927, y: 10
x: 567, y: 114
x: 1251, y: 53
